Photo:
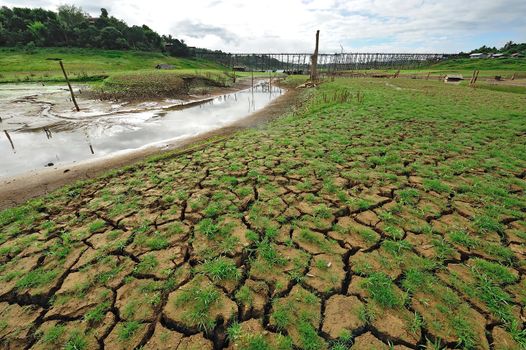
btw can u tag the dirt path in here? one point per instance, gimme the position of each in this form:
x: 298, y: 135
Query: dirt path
x: 19, y: 189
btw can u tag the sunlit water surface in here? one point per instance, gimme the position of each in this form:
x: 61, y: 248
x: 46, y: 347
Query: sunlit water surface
x: 39, y: 128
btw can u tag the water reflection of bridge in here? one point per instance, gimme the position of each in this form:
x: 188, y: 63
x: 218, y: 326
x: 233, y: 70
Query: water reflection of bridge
x: 295, y: 62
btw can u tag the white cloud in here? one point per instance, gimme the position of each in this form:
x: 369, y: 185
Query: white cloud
x: 289, y: 25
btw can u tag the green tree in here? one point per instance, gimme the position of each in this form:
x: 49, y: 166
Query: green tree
x: 38, y: 30
x: 70, y: 17
x: 71, y: 26
x: 111, y: 38
x: 508, y: 46
x: 3, y: 35
x: 88, y: 36
x: 136, y: 38
x: 176, y: 47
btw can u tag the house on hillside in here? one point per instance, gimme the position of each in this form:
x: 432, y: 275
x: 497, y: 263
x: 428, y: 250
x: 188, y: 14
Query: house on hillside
x: 517, y: 55
x: 478, y: 55
x: 498, y: 55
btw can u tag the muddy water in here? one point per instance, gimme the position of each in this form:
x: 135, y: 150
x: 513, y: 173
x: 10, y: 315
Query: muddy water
x: 39, y: 128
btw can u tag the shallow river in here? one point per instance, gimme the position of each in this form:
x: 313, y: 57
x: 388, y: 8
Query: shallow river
x: 38, y: 127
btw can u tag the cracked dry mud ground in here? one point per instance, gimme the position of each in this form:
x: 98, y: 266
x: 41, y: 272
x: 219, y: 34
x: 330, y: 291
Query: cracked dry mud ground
x: 395, y: 219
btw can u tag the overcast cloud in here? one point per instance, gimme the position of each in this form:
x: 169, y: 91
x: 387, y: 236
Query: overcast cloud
x: 289, y: 25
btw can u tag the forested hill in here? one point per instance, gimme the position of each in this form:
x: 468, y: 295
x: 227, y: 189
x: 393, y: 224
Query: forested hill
x: 73, y: 27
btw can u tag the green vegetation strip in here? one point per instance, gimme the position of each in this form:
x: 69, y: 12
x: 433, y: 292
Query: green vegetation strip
x: 86, y: 65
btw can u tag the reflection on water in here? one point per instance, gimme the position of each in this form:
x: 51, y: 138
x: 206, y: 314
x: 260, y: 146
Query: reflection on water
x: 40, y: 129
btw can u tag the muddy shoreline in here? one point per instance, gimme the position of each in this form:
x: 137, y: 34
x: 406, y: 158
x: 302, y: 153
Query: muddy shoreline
x: 18, y: 189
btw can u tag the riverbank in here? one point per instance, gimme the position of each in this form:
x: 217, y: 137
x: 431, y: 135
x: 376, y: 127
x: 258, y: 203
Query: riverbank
x: 16, y: 190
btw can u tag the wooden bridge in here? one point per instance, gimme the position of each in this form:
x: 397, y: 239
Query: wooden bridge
x: 300, y: 62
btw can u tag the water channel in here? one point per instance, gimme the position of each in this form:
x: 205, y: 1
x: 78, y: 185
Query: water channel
x: 39, y: 128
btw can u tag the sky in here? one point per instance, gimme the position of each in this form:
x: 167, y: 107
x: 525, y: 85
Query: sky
x: 432, y: 26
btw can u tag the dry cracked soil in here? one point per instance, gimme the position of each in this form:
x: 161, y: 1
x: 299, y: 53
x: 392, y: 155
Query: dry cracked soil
x: 365, y: 218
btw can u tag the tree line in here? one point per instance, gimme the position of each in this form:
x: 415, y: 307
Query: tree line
x: 508, y: 49
x: 70, y: 26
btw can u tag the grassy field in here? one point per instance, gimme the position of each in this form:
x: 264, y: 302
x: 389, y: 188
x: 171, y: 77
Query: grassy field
x: 385, y: 214
x: 467, y: 64
x: 84, y: 64
x: 501, y: 88
x: 489, y: 68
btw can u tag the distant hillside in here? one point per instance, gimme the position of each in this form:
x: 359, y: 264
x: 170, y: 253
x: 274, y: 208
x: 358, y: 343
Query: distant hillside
x: 72, y: 27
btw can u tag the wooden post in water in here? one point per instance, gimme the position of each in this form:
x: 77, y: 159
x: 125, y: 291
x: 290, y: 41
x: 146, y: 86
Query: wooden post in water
x: 69, y: 85
x: 314, y: 60
x: 67, y: 81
